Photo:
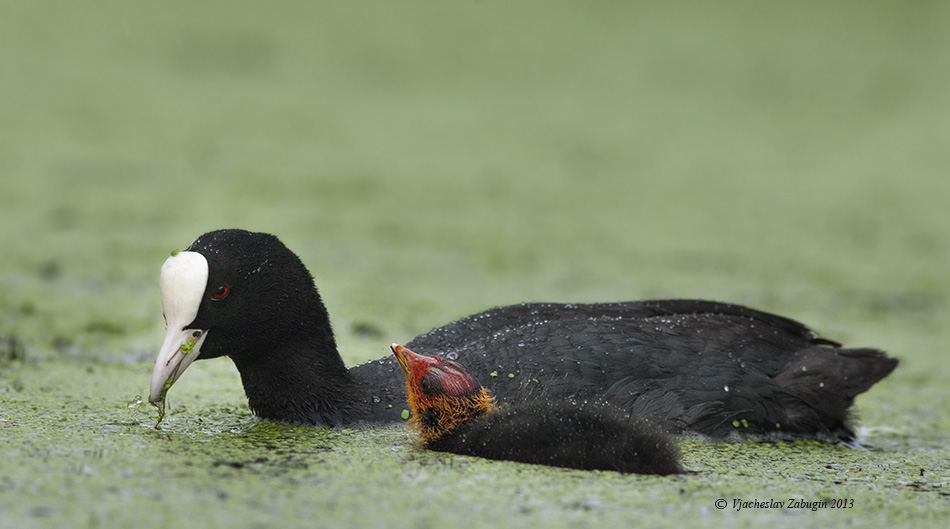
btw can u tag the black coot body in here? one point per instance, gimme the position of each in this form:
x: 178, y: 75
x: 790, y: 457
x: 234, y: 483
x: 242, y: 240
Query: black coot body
x: 700, y: 366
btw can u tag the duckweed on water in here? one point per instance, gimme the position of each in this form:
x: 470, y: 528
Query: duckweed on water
x: 864, y: 257
x: 11, y: 349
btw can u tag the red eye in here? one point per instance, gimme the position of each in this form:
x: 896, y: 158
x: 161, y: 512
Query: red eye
x: 220, y: 292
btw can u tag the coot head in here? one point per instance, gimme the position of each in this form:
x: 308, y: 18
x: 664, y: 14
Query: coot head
x: 235, y: 293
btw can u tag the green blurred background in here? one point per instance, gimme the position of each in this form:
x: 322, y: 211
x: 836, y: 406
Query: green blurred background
x: 430, y: 159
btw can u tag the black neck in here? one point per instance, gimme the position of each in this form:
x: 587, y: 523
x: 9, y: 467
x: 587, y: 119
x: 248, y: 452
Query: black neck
x: 299, y: 383
x: 302, y: 384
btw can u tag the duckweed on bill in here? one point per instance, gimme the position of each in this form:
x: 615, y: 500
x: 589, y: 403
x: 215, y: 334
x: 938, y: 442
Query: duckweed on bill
x: 189, y: 345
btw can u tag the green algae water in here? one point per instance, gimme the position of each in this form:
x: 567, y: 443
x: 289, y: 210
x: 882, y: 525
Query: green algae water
x: 427, y: 162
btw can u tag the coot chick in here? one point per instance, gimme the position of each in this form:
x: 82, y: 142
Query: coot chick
x: 698, y: 366
x: 452, y: 412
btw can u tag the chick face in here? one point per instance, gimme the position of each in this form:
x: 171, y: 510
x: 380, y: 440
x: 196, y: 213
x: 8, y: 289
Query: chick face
x: 441, y: 394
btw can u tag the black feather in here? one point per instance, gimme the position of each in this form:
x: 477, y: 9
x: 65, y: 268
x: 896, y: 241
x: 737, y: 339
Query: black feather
x: 558, y: 433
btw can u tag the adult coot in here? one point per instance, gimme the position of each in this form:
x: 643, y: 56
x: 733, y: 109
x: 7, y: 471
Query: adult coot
x: 452, y: 412
x: 700, y: 366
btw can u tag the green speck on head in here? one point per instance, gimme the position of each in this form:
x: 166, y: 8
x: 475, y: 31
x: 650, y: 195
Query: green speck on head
x: 745, y: 423
x: 493, y: 374
x: 778, y: 426
x: 175, y: 252
x: 405, y: 415
x: 735, y: 424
